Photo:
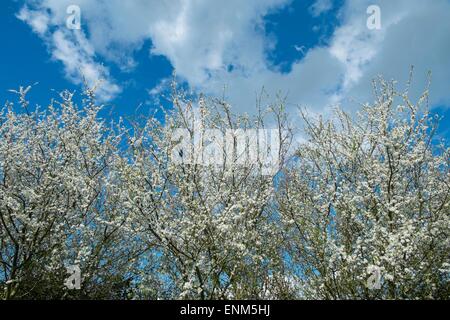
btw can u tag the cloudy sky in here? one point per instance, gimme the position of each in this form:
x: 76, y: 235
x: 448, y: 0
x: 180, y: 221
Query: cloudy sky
x: 318, y: 53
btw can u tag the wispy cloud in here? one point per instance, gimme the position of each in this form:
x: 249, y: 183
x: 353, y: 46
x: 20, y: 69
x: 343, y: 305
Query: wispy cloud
x: 321, y: 6
x: 73, y: 50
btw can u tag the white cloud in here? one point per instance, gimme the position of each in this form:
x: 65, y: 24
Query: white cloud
x: 321, y: 6
x: 79, y: 65
x: 74, y: 51
x: 413, y: 33
x: 203, y: 38
x: 38, y: 20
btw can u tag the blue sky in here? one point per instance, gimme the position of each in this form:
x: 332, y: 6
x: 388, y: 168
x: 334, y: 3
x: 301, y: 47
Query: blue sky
x: 319, y: 53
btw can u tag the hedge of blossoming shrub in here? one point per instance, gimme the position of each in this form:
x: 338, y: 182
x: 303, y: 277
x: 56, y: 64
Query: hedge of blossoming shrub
x: 360, y: 194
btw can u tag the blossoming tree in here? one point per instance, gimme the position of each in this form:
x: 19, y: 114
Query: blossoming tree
x: 366, y: 206
x: 205, y: 204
